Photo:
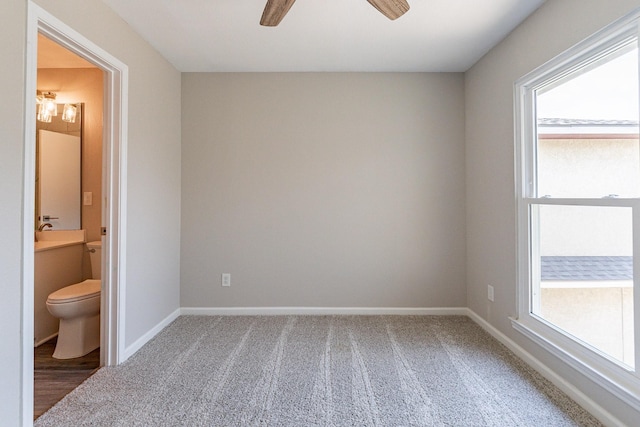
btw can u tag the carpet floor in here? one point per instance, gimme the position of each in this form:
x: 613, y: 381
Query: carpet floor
x: 319, y: 371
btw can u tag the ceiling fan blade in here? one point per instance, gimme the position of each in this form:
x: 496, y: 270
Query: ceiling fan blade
x: 274, y: 11
x: 392, y: 9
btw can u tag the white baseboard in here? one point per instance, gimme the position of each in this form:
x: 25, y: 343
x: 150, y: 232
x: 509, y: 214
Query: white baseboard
x: 317, y: 311
x: 44, y: 340
x: 281, y: 311
x: 137, y: 345
x: 569, y: 389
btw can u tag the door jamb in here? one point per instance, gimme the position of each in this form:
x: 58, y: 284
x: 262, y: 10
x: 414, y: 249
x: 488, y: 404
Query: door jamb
x: 115, y: 125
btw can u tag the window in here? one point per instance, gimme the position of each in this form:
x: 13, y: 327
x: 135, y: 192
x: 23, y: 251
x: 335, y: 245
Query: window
x: 578, y: 197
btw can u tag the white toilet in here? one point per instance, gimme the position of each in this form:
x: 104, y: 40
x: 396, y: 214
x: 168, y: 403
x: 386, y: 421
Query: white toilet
x: 78, y: 308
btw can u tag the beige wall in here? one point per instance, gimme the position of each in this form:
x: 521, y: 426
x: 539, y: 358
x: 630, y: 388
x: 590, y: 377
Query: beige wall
x: 83, y: 85
x: 323, y: 190
x: 490, y: 188
x: 153, y: 177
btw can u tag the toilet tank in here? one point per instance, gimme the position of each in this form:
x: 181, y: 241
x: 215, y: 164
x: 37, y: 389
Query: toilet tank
x: 95, y: 256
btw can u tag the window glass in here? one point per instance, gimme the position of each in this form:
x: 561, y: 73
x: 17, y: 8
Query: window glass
x: 578, y: 197
x: 587, y: 129
x: 584, y: 279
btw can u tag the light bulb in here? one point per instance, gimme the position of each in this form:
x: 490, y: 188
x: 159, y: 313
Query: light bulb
x: 69, y: 113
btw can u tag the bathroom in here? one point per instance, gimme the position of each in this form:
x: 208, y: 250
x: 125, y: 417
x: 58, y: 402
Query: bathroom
x: 73, y: 81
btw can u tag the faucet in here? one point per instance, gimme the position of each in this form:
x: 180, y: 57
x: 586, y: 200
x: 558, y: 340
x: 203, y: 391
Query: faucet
x: 46, y: 224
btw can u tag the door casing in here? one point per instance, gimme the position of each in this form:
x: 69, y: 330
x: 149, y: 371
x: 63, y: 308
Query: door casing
x: 114, y: 179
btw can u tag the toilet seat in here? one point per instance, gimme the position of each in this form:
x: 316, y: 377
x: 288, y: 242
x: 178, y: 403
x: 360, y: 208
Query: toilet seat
x: 80, y: 291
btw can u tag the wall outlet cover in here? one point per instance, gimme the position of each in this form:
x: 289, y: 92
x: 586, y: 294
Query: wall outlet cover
x: 226, y: 279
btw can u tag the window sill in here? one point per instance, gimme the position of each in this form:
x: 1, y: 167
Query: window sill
x: 608, y: 375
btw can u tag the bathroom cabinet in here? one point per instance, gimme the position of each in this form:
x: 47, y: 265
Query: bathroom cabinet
x: 58, y: 263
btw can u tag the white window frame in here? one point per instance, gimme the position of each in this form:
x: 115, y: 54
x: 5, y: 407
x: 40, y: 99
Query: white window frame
x: 611, y: 375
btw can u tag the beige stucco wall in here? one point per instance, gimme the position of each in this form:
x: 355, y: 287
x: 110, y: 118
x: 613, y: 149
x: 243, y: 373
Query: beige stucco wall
x: 601, y: 316
x: 587, y: 167
x: 323, y: 190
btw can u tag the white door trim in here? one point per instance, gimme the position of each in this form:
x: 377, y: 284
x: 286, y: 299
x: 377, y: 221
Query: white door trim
x: 115, y: 121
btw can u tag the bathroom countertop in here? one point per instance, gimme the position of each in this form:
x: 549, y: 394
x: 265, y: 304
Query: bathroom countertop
x: 53, y: 244
x: 52, y: 239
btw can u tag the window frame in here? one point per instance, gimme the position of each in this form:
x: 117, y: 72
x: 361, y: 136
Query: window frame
x: 610, y: 374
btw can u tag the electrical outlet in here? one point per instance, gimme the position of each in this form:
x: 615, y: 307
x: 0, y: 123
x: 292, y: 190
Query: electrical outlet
x: 226, y: 279
x: 490, y: 293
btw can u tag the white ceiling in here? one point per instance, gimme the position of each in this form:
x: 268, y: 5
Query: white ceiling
x: 323, y: 35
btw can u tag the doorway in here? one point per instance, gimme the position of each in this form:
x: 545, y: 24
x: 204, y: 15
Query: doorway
x: 113, y: 215
x: 68, y: 202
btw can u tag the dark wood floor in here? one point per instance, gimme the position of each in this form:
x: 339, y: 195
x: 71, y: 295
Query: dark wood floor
x: 53, y: 378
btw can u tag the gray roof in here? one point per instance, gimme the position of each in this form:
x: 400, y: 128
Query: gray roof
x: 587, y: 268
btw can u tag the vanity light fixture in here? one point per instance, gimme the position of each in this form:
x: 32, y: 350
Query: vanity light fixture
x: 69, y: 113
x: 47, y: 106
x: 43, y: 116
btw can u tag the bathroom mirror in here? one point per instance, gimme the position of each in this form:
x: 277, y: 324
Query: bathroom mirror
x: 59, y: 173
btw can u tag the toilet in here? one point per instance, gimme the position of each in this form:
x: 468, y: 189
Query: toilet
x: 78, y: 308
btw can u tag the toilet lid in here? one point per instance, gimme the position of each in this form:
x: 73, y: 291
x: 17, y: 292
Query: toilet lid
x: 80, y: 291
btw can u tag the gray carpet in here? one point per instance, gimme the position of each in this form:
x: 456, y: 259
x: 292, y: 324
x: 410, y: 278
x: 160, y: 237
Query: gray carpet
x: 319, y: 371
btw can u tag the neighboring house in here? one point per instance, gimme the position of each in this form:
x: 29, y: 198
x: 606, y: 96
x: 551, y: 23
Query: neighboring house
x: 586, y: 268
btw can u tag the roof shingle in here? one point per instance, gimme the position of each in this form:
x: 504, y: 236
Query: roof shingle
x: 586, y: 268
